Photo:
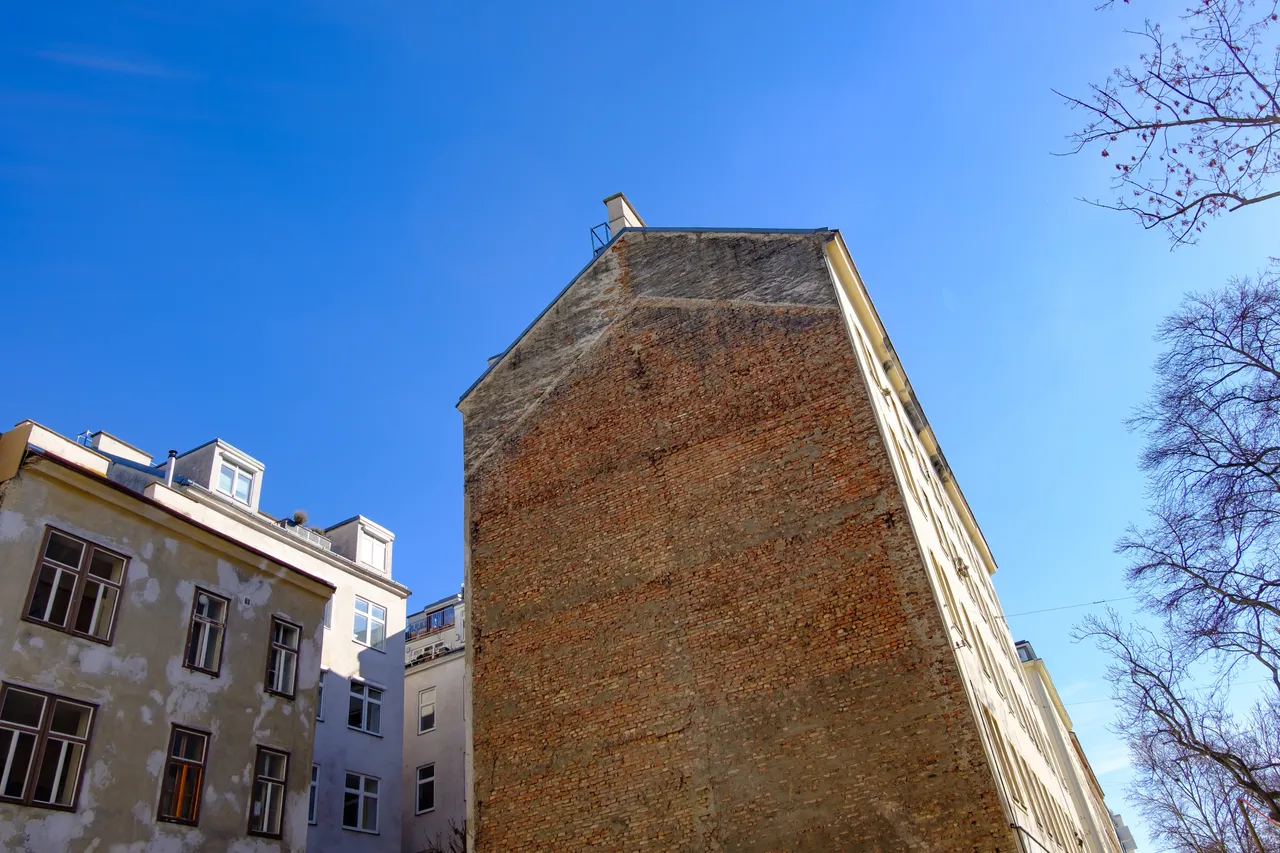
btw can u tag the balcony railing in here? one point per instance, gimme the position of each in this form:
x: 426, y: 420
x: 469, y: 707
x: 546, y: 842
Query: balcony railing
x: 307, y: 534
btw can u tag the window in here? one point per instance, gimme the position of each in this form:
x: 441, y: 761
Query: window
x: 282, y: 661
x: 320, y: 697
x: 183, y: 776
x: 442, y: 618
x: 204, y: 639
x: 311, y: 798
x: 76, y: 587
x: 235, y: 482
x: 43, y: 739
x: 371, y: 625
x: 426, y: 788
x: 266, y: 811
x: 360, y: 803
x: 426, y: 710
x: 365, y: 710
x: 373, y: 552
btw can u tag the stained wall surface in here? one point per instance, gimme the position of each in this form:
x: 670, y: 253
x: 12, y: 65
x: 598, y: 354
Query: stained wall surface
x: 139, y: 683
x: 698, y: 617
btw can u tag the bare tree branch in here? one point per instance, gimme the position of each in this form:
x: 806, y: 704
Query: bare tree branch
x: 1208, y: 568
x: 1193, y: 129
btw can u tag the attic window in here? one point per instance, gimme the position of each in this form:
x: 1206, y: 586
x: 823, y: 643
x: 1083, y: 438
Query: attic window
x: 235, y: 482
x: 373, y: 552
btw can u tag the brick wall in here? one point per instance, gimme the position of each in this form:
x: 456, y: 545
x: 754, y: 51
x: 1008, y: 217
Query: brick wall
x: 698, y: 616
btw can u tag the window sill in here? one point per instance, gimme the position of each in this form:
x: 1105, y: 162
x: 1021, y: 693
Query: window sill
x: 361, y: 831
x: 178, y: 820
x: 352, y: 728
x: 274, y: 835
x: 290, y: 697
x: 67, y: 631
x: 426, y: 731
x: 425, y: 811
x: 369, y: 647
x: 212, y: 673
x: 52, y: 807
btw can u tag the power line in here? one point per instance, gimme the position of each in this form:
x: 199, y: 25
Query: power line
x: 1205, y: 687
x: 1072, y: 606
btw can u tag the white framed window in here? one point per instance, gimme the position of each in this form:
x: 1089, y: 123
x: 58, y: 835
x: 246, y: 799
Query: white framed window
x: 360, y: 803
x: 373, y: 552
x: 426, y: 710
x: 370, y: 625
x: 311, y: 797
x: 365, y: 708
x: 426, y: 799
x: 235, y: 482
x: 266, y: 811
x: 282, y: 660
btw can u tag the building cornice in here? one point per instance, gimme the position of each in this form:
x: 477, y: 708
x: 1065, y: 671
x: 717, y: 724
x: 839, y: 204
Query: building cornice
x: 438, y: 660
x: 848, y: 278
x: 68, y: 473
x: 205, y: 498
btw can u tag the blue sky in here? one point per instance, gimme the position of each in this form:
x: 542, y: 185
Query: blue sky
x: 304, y: 227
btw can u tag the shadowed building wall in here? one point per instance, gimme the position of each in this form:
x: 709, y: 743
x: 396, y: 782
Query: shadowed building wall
x: 700, y: 614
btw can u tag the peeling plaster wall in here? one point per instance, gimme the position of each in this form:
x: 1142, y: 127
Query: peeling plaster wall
x: 141, y: 687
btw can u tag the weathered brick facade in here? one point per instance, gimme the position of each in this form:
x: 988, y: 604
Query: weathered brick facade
x: 699, y: 619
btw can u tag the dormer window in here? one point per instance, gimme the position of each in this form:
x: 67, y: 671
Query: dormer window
x: 235, y: 482
x: 373, y: 552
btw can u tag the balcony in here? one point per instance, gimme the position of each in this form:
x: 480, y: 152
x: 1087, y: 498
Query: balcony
x: 306, y: 534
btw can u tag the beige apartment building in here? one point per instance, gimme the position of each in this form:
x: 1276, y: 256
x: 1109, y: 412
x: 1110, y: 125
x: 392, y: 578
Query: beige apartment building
x: 723, y: 589
x: 333, y: 707
x: 159, y: 681
x: 1087, y: 797
x: 435, y: 736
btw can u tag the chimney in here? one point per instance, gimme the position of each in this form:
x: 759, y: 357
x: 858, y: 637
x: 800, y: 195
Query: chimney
x: 621, y: 213
x: 169, y: 466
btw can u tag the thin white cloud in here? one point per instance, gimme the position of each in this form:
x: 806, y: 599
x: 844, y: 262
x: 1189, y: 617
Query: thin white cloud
x: 97, y: 62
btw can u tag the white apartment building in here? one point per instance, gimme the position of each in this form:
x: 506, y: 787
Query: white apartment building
x: 435, y: 736
x: 354, y: 802
x: 1086, y: 794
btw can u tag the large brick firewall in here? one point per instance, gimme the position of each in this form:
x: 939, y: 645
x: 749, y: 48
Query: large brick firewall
x: 699, y: 620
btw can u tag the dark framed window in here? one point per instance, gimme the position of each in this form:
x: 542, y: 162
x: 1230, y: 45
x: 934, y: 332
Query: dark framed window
x: 183, y: 776
x: 360, y: 803
x: 364, y: 711
x: 426, y: 788
x: 208, y: 627
x: 76, y: 587
x: 270, y: 774
x: 282, y: 659
x: 43, y: 741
